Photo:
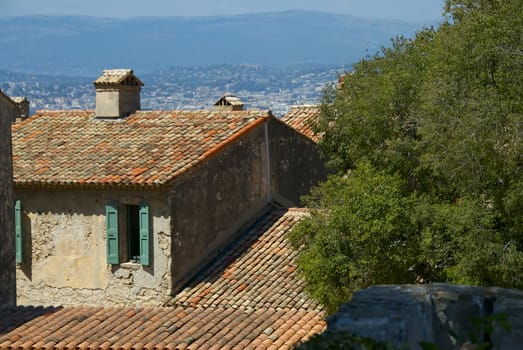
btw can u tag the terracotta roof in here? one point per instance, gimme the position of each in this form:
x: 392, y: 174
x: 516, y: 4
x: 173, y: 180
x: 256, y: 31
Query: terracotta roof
x: 156, y: 328
x: 116, y: 76
x: 146, y: 148
x: 248, y: 298
x: 257, y: 270
x: 302, y: 118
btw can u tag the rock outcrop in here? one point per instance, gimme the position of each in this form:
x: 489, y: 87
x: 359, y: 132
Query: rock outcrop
x: 405, y: 315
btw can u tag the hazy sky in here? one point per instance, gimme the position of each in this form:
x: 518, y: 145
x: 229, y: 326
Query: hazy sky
x: 409, y: 10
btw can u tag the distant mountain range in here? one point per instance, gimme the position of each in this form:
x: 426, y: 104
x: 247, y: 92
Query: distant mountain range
x: 83, y: 46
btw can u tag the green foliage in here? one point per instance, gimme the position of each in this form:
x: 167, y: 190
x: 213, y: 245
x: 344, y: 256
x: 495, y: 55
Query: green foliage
x: 360, y: 233
x: 425, y: 139
x: 334, y: 340
x: 428, y: 346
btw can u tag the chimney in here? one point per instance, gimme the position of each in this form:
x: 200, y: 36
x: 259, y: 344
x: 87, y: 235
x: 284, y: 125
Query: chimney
x: 23, y: 106
x: 117, y: 93
x: 228, y: 102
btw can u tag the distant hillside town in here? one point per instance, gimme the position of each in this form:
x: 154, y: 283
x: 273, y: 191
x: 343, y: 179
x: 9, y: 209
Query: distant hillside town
x: 192, y: 88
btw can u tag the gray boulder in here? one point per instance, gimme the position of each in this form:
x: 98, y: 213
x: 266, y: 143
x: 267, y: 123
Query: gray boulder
x: 448, y: 316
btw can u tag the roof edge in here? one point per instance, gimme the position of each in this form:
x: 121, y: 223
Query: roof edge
x: 296, y: 131
x: 87, y: 186
x: 211, y: 152
x: 236, y: 136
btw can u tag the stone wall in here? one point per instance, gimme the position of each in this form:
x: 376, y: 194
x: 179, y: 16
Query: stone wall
x: 64, y: 250
x: 404, y: 315
x: 296, y: 165
x: 7, y: 237
x: 8, y: 109
x: 213, y: 200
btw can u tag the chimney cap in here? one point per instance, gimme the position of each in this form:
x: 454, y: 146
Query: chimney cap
x: 229, y: 100
x: 118, y: 77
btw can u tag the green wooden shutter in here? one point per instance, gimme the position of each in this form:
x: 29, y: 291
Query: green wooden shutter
x: 111, y: 219
x: 18, y: 231
x: 144, y: 234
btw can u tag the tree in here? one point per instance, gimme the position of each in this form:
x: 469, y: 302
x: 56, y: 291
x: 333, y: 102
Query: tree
x: 424, y: 139
x: 360, y: 233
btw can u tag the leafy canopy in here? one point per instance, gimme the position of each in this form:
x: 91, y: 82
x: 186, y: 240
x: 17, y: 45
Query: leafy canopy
x: 424, y: 140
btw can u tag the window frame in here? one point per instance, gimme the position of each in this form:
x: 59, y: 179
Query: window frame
x: 115, y: 235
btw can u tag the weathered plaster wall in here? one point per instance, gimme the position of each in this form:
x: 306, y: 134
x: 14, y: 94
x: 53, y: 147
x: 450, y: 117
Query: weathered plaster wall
x: 107, y: 103
x: 296, y: 164
x: 212, y: 201
x: 7, y: 238
x: 117, y: 102
x: 64, y: 250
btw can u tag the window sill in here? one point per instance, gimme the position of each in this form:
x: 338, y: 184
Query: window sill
x: 131, y: 266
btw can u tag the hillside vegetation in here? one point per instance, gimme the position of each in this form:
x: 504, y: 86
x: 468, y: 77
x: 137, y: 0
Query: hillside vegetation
x: 425, y: 141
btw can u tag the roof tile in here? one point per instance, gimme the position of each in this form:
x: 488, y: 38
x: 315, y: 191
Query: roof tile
x: 302, y: 118
x: 116, y: 76
x: 148, y: 147
x: 250, y: 274
x: 249, y: 309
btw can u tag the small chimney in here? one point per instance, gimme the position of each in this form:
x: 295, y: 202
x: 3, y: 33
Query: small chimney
x: 117, y: 93
x: 23, y: 106
x: 228, y: 102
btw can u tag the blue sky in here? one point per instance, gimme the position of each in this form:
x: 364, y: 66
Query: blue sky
x: 408, y: 10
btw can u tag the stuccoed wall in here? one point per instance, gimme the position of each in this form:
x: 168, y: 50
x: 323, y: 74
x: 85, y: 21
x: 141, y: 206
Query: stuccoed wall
x: 7, y: 239
x: 64, y: 250
x: 107, y: 103
x: 117, y: 102
x: 213, y: 200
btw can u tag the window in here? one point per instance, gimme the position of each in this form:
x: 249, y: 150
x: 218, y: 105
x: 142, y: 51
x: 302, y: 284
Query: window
x: 133, y: 232
x: 136, y: 236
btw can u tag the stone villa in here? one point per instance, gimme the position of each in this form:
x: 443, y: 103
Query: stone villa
x: 120, y: 206
x: 181, y: 216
